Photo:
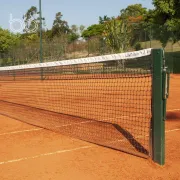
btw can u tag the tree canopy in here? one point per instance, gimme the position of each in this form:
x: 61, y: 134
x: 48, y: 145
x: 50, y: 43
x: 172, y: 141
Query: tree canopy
x: 133, y: 26
x: 166, y: 20
x: 7, y: 40
x: 60, y: 26
x: 134, y: 10
x: 93, y: 30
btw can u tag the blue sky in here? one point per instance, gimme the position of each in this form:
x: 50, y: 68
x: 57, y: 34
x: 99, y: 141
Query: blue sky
x: 85, y: 12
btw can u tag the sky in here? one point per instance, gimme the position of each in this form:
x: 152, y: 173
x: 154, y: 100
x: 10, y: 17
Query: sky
x: 79, y: 12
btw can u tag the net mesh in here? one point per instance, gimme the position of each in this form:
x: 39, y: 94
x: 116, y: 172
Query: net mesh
x: 104, y: 100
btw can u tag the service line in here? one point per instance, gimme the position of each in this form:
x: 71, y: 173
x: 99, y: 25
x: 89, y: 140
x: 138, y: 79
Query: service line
x: 42, y: 155
x: 17, y: 132
x: 62, y: 151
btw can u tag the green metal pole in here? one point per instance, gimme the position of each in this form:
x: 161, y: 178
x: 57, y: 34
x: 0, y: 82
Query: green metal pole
x: 158, y: 106
x: 150, y: 36
x: 145, y: 41
x: 88, y: 46
x: 40, y: 32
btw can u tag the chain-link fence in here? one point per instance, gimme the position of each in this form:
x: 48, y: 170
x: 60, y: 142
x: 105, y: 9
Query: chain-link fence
x: 60, y: 48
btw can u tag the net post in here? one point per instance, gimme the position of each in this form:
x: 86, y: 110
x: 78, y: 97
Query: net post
x: 158, y: 107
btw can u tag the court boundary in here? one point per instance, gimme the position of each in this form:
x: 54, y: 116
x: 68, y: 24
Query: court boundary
x: 22, y: 131
x: 38, y: 129
x: 45, y: 154
x: 59, y: 152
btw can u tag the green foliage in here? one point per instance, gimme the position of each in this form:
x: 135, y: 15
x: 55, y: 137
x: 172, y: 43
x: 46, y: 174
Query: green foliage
x: 124, y: 31
x: 7, y: 40
x: 31, y: 13
x: 118, y: 34
x: 81, y: 29
x: 138, y: 46
x: 134, y: 26
x: 33, y: 37
x: 74, y: 33
x: 104, y: 19
x: 73, y: 37
x: 134, y: 10
x: 60, y: 26
x: 31, y: 20
x: 134, y: 15
x: 74, y: 29
x: 94, y: 30
x: 167, y: 15
x: 167, y: 6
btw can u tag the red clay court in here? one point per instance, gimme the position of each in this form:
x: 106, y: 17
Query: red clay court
x: 29, y: 152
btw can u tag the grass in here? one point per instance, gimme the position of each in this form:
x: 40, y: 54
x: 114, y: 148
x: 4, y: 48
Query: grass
x: 156, y: 44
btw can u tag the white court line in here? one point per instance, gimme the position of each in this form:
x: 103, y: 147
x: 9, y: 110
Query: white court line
x: 16, y: 132
x: 42, y: 155
x: 38, y: 129
x: 173, y: 110
x: 75, y: 124
x: 136, y: 115
x: 121, y: 140
x: 121, y: 117
x: 112, y: 119
x: 63, y: 151
x: 172, y: 130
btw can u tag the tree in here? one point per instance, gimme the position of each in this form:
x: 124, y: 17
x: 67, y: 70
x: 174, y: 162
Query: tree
x: 155, y: 30
x: 74, y: 29
x: 118, y: 34
x: 134, y: 10
x: 74, y: 33
x: 31, y: 20
x: 81, y: 28
x: 7, y: 40
x: 93, y: 30
x: 104, y: 19
x: 166, y: 17
x: 60, y: 27
x: 125, y: 30
x: 167, y: 8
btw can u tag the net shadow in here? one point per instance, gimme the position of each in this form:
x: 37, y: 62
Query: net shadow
x: 137, y: 145
x: 101, y: 133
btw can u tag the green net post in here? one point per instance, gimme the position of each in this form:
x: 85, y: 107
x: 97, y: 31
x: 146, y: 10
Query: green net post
x: 159, y: 87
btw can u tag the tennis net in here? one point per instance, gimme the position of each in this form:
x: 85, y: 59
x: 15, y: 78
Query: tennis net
x: 106, y: 100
